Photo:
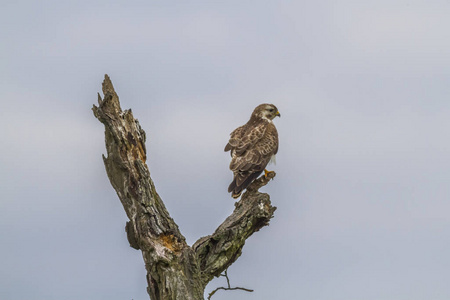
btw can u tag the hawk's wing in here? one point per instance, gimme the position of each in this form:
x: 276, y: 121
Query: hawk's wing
x: 244, y: 137
x: 251, y: 151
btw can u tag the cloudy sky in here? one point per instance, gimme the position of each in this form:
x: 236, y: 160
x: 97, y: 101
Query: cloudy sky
x: 363, y: 171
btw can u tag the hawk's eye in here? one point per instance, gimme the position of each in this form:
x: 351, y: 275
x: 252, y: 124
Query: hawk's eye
x: 271, y: 109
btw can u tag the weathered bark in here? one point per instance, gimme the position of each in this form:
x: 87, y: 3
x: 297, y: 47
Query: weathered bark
x: 175, y: 271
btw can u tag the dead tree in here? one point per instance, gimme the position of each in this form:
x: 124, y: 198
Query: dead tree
x: 175, y: 270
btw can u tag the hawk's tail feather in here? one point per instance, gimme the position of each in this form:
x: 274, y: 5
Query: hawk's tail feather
x: 235, y: 196
x: 232, y: 185
x: 236, y: 190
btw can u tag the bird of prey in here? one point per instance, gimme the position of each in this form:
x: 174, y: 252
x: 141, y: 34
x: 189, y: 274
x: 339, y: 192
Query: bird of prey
x: 252, y: 146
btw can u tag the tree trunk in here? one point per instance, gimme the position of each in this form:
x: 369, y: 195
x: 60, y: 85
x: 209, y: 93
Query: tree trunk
x: 175, y: 270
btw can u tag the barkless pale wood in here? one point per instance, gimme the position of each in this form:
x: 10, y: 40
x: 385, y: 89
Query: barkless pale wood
x: 175, y: 271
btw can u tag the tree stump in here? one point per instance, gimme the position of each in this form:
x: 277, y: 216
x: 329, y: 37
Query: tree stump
x: 175, y: 270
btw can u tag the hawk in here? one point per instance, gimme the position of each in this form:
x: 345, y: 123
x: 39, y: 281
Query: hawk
x: 252, y: 146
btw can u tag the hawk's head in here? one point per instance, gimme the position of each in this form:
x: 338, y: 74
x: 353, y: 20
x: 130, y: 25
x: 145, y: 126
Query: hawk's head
x: 266, y: 111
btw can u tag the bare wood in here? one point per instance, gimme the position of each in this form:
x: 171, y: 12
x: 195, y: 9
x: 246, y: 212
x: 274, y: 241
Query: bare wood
x: 219, y: 250
x: 174, y: 269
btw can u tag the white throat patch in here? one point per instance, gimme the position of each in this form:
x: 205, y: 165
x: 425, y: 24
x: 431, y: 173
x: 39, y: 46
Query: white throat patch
x: 266, y: 118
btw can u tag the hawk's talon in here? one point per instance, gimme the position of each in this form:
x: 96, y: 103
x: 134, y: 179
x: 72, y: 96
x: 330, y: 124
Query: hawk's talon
x: 266, y: 173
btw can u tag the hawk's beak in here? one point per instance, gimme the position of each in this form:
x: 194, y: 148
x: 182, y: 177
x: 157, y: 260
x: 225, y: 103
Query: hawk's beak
x: 278, y: 114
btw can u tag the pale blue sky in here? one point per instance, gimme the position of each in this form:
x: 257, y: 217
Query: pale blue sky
x: 363, y: 169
